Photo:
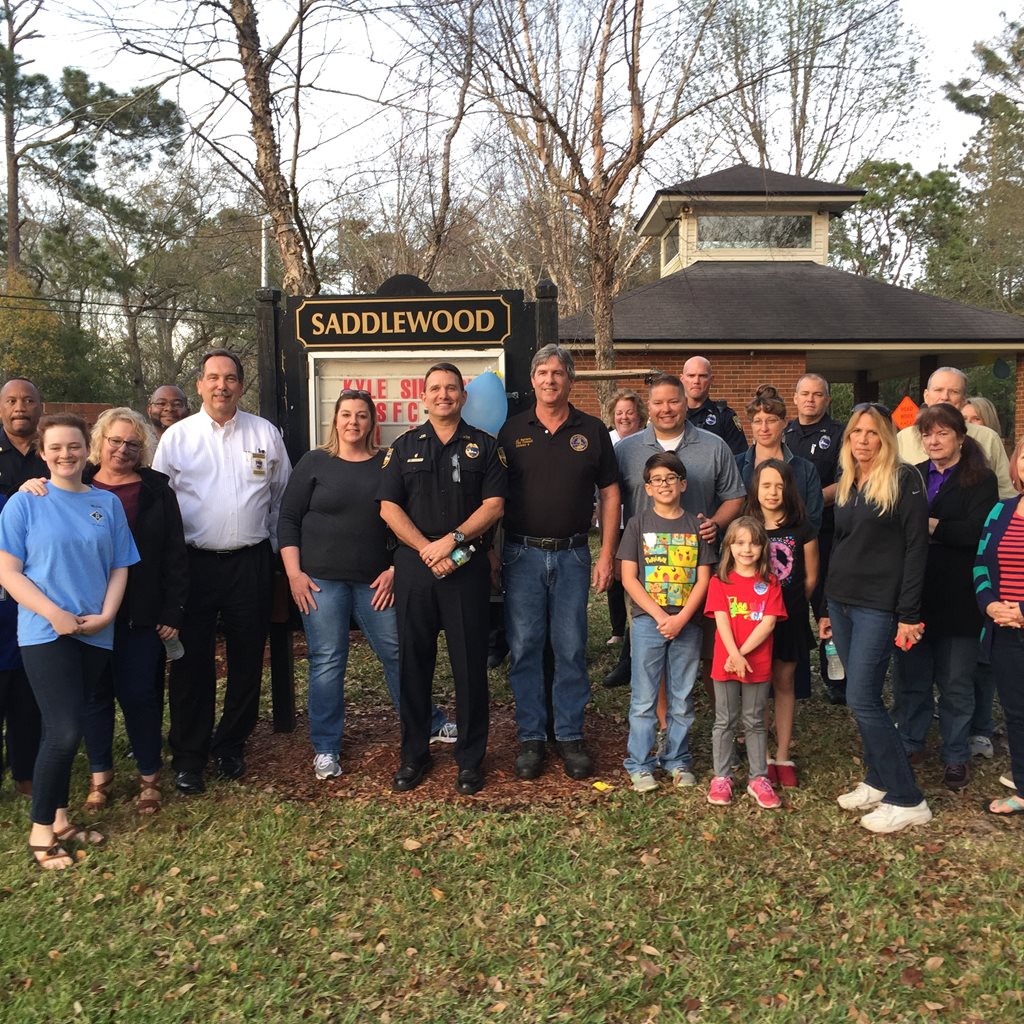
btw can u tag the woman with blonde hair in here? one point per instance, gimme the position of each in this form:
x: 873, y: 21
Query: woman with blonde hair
x: 978, y: 409
x: 873, y: 594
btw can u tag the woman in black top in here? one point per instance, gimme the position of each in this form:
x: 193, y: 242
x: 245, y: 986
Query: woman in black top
x: 335, y: 552
x: 961, y: 492
x: 873, y: 592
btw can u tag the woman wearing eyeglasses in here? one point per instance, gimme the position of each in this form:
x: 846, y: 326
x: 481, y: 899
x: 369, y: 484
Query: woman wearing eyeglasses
x: 335, y: 553
x: 874, y: 586
x: 121, y: 448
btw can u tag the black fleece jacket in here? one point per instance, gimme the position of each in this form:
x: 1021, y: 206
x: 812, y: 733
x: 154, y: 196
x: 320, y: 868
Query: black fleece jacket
x: 158, y: 582
x: 878, y: 561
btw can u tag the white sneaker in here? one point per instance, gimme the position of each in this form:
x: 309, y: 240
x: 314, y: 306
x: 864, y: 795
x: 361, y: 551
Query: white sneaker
x: 613, y: 641
x: 683, y: 777
x: 326, y: 766
x: 643, y: 782
x: 890, y: 818
x: 1007, y: 781
x: 863, y: 798
x: 980, y: 746
x: 448, y: 733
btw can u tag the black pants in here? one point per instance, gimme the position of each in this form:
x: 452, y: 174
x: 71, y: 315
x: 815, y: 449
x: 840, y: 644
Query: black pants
x: 236, y: 589
x: 20, y: 714
x: 64, y: 674
x: 459, y: 605
x: 1008, y: 669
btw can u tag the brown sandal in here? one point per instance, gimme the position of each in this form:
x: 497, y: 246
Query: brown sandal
x: 79, y: 834
x: 150, y: 799
x: 97, y: 799
x: 52, y: 852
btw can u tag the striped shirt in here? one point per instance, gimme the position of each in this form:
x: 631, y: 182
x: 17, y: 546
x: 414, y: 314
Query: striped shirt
x: 1011, y: 561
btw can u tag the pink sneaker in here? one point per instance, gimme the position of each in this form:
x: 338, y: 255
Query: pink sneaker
x: 761, y: 790
x: 720, y: 790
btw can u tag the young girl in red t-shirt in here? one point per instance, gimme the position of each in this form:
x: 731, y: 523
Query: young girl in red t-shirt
x: 746, y: 600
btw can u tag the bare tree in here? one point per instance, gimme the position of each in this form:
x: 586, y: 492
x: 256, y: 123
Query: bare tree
x: 852, y: 80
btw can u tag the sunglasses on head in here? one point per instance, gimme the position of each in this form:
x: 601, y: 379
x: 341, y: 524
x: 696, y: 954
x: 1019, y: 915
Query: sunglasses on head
x: 882, y: 410
x: 356, y: 393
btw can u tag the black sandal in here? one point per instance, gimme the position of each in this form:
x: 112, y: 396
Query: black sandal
x: 52, y: 852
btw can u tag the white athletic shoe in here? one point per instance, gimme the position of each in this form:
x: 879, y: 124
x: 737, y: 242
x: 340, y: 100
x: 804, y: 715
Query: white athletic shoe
x: 890, y: 818
x: 863, y: 798
x: 326, y: 766
x: 980, y: 746
x: 448, y: 733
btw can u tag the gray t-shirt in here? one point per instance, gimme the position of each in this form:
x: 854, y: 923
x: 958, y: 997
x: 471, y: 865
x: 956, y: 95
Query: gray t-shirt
x: 711, y: 473
x: 667, y: 553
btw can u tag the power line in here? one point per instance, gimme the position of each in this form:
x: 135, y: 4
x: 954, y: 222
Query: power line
x: 102, y: 308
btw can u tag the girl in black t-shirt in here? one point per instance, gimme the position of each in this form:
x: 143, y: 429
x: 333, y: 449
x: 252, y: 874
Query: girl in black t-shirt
x: 773, y: 499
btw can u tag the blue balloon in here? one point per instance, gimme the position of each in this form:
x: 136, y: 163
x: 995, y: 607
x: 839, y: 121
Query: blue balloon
x: 486, y: 403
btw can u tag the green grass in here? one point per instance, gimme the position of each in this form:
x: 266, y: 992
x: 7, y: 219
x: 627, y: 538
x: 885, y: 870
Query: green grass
x: 240, y: 907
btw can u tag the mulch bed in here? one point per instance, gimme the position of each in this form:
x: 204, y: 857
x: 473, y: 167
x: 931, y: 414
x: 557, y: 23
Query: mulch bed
x: 282, y: 764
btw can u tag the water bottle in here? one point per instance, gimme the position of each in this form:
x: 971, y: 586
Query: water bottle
x: 835, y: 664
x: 174, y: 648
x: 460, y: 556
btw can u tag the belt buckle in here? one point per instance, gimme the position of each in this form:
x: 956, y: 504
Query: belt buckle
x: 548, y: 544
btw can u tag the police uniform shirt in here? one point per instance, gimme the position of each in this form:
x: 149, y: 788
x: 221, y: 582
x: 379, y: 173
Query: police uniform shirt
x: 819, y: 443
x: 552, y: 476
x: 438, y: 485
x: 16, y: 468
x: 717, y: 418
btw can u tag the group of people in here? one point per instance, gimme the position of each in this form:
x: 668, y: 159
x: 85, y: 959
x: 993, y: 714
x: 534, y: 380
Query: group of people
x: 135, y: 541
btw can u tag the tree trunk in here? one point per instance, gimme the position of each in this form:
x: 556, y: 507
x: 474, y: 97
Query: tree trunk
x: 603, y: 259
x: 10, y: 72
x: 300, y: 277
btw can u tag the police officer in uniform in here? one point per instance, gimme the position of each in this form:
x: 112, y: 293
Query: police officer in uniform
x: 442, y: 487
x: 815, y: 436
x: 704, y: 412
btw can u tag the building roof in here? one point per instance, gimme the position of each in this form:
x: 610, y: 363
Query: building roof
x: 744, y: 180
x: 738, y: 182
x: 799, y: 302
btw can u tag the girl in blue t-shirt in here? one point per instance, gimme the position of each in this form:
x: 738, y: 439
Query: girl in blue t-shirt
x: 64, y: 558
x: 774, y: 499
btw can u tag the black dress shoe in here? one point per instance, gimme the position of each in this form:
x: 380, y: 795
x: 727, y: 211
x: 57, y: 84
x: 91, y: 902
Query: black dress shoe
x: 620, y: 675
x: 231, y: 766
x: 409, y: 776
x: 189, y: 783
x: 530, y: 762
x: 470, y: 781
x: 578, y: 763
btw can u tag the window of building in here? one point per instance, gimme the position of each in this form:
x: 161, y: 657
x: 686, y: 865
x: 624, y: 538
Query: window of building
x: 670, y: 243
x: 764, y: 232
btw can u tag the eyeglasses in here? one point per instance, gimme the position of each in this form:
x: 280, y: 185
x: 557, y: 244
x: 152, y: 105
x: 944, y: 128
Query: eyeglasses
x: 663, y: 481
x: 355, y: 393
x: 174, y: 403
x: 131, y: 447
x: 882, y: 410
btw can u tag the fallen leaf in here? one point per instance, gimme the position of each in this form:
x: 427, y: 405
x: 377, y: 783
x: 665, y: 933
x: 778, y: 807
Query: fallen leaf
x: 411, y: 844
x: 539, y: 921
x: 912, y: 976
x: 650, y: 951
x: 933, y: 963
x: 438, y: 894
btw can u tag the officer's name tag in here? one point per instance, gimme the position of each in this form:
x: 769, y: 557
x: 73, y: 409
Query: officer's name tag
x: 257, y: 463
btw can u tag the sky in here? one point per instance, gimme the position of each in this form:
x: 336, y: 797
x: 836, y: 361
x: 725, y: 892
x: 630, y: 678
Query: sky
x: 949, y: 29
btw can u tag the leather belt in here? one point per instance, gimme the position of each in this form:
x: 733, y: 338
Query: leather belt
x: 577, y: 540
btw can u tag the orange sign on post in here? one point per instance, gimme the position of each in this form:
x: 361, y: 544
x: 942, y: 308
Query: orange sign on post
x: 905, y: 413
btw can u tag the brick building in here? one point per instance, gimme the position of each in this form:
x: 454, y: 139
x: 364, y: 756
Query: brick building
x: 745, y: 282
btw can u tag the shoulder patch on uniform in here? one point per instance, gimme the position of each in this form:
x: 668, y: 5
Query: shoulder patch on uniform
x: 736, y: 422
x: 579, y: 442
x: 387, y: 458
x: 501, y: 456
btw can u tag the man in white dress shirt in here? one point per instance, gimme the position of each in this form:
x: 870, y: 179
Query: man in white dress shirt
x: 228, y: 469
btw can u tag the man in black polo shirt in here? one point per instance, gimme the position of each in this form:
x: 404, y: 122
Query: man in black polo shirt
x: 817, y: 437
x: 442, y: 487
x: 20, y: 409
x: 704, y: 412
x: 557, y: 456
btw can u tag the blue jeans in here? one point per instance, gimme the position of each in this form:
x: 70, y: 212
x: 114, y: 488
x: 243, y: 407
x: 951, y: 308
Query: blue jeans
x: 864, y: 638
x: 546, y: 596
x: 678, y: 660
x: 327, y: 631
x: 946, y: 662
x: 984, y: 695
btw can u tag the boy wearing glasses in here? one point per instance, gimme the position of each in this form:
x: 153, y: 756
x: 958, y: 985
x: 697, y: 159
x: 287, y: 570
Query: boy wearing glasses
x: 666, y: 569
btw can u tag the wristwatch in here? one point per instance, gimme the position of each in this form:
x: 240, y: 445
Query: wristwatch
x: 460, y: 537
